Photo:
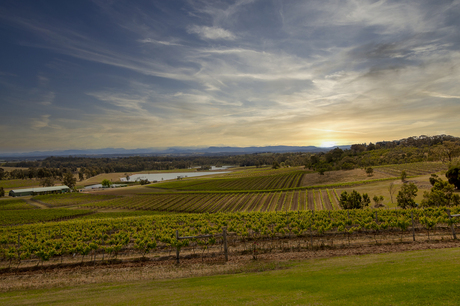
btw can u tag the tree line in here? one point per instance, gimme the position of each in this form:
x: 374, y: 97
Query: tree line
x: 440, y: 148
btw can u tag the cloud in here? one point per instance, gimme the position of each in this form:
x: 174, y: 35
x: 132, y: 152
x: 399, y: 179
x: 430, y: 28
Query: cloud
x: 48, y: 98
x: 159, y: 42
x: 41, y: 123
x: 439, y: 95
x: 42, y: 80
x: 251, y: 73
x: 211, y: 32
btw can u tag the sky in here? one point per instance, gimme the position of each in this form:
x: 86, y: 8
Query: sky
x: 138, y: 74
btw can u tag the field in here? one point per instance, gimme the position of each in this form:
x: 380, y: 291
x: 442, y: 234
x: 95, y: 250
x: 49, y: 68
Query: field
x: 295, y: 200
x: 14, y: 204
x: 13, y: 184
x: 14, y: 217
x: 59, y: 200
x: 269, y: 215
x: 271, y: 180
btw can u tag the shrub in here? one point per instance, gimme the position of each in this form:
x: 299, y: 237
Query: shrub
x: 354, y: 200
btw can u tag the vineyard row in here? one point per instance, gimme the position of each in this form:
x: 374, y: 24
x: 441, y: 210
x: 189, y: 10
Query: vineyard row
x: 151, y: 234
x: 297, y: 200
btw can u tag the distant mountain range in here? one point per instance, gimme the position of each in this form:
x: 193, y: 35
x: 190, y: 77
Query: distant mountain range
x: 114, y: 152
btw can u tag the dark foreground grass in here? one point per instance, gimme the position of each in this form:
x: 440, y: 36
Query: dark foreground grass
x: 429, y: 277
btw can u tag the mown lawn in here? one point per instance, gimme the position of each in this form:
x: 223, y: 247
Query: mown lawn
x: 429, y: 277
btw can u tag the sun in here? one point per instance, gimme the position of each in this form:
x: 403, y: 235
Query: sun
x: 328, y: 144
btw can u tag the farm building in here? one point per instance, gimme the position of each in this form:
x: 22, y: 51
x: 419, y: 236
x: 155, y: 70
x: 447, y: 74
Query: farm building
x: 38, y: 191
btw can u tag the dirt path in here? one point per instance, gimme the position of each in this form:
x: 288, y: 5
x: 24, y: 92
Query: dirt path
x: 36, y: 204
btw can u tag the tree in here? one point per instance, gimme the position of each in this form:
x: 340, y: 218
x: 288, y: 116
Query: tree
x: 453, y: 175
x: 106, y: 183
x: 451, y: 149
x: 366, y: 200
x: 391, y: 190
x: 354, y: 200
x: 275, y: 165
x: 403, y: 176
x: 370, y: 171
x: 145, y: 182
x: 434, y: 179
x: 406, y: 196
x: 81, y: 175
x: 2, y: 192
x: 69, y: 180
x: 2, y: 173
x: 47, y: 182
x: 441, y: 194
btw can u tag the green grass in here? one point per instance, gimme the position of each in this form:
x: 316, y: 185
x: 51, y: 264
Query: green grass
x: 427, y: 277
x: 13, y: 184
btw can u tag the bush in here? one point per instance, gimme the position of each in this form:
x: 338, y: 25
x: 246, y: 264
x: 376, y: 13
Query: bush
x: 354, y: 200
x: 453, y: 175
x: 370, y: 171
x: 144, y: 182
x: 441, y: 194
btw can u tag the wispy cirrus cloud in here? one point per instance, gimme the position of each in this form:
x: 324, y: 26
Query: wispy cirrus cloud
x: 206, y: 32
x: 239, y: 72
x: 159, y: 42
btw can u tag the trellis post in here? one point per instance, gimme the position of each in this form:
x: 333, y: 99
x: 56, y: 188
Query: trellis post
x: 224, y: 236
x: 177, y: 247
x: 452, y: 226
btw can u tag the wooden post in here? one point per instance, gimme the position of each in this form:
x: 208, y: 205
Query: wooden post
x: 376, y: 217
x: 348, y: 213
x: 177, y: 247
x: 413, y: 225
x: 452, y: 226
x: 224, y: 236
x: 19, y: 241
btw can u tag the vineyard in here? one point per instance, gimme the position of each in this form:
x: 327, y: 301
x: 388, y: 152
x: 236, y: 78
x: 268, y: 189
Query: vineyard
x: 295, y: 200
x: 412, y: 169
x: 272, y: 180
x: 15, y: 204
x: 12, y: 217
x: 58, y: 200
x: 104, y: 239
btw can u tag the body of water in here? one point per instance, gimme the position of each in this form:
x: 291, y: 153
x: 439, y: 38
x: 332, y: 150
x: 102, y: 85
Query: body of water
x: 167, y: 176
x: 100, y: 186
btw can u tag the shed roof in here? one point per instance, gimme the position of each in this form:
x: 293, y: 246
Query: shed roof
x: 41, y: 189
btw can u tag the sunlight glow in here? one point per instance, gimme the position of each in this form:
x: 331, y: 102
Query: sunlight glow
x: 327, y: 144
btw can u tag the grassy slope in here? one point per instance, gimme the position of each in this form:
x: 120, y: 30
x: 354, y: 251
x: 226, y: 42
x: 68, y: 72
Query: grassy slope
x: 427, y: 277
x: 18, y: 184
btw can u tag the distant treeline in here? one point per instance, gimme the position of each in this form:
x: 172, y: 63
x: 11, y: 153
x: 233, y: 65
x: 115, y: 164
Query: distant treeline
x: 412, y: 149
x: 408, y: 150
x: 87, y: 167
